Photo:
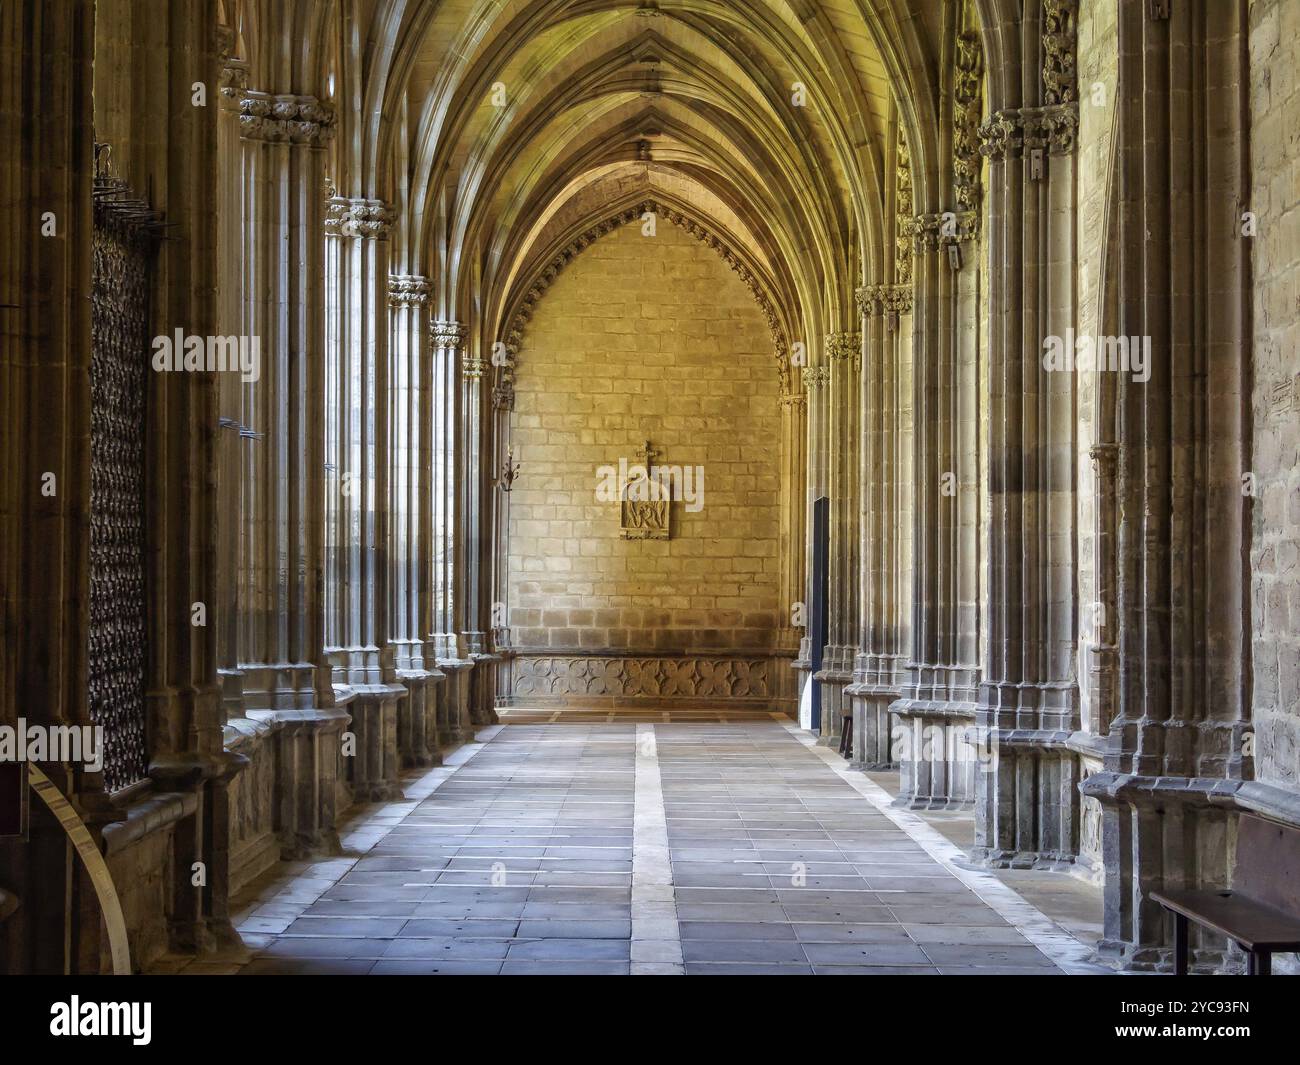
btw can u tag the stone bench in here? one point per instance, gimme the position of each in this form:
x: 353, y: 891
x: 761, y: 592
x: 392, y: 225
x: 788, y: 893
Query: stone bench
x: 1261, y: 914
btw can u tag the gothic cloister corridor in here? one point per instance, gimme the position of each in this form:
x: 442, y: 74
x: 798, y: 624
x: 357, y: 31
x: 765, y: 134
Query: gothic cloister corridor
x: 650, y: 487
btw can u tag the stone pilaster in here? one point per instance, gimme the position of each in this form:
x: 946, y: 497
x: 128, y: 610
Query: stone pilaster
x: 844, y: 368
x: 1178, y: 754
x: 794, y: 442
x: 877, y: 669
x: 811, y: 650
x: 937, y: 696
x: 286, y: 679
x: 1028, y: 714
x: 451, y: 650
x: 357, y: 433
x: 502, y: 474
x: 410, y: 531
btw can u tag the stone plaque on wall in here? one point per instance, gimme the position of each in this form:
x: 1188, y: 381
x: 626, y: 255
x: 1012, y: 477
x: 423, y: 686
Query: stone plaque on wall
x: 645, y: 500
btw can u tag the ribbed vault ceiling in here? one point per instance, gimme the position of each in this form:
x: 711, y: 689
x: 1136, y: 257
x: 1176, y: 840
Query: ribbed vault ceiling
x: 608, y: 104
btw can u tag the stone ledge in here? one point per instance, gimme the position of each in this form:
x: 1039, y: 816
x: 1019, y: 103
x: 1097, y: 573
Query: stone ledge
x: 147, y: 816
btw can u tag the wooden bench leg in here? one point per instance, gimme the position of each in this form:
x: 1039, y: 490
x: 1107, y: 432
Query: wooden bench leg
x: 1259, y: 963
x: 1180, y: 945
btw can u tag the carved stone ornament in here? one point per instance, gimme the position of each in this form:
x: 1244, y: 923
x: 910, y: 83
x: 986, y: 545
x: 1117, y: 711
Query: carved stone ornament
x: 968, y: 105
x: 448, y: 334
x: 643, y: 677
x: 284, y: 118
x: 877, y: 300
x: 903, y: 213
x: 845, y: 347
x: 645, y: 511
x: 815, y: 376
x: 503, y: 395
x: 362, y: 218
x: 1007, y: 134
x: 1060, y: 36
x: 408, y: 290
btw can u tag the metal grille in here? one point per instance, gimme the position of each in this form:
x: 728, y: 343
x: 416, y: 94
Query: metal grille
x: 124, y: 241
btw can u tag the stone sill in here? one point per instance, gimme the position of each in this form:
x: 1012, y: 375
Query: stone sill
x: 147, y: 816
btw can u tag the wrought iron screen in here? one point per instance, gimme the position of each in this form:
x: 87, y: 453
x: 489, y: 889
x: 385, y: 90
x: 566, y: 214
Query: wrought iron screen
x: 124, y: 245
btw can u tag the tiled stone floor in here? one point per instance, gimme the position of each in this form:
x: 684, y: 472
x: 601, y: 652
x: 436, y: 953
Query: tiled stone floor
x: 609, y: 848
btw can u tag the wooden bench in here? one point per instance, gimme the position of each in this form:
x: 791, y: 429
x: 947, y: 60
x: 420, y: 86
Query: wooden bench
x: 1261, y: 914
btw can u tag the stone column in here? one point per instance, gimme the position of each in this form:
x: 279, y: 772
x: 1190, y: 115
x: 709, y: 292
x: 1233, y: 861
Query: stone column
x: 503, y: 404
x: 286, y: 679
x: 357, y: 497
x: 814, y: 380
x: 878, y: 667
x: 844, y: 366
x: 794, y: 442
x: 474, y: 576
x: 937, y: 698
x: 235, y: 438
x: 410, y: 535
x: 1179, y: 752
x: 1028, y: 726
x: 453, y: 709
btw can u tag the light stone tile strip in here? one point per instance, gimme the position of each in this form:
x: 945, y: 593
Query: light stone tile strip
x: 295, y: 894
x: 656, y: 939
x: 1061, y: 948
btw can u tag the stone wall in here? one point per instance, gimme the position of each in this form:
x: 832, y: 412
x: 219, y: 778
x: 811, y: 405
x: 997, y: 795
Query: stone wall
x: 646, y: 337
x: 142, y: 875
x: 1098, y: 73
x: 1275, y: 542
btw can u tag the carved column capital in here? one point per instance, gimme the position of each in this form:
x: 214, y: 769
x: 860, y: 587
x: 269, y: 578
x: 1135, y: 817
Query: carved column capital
x: 876, y: 300
x: 408, y: 290
x: 358, y: 217
x: 845, y: 347
x: 1007, y: 134
x: 472, y: 367
x: 503, y: 395
x: 1104, y: 457
x: 284, y: 118
x: 448, y: 334
x: 814, y: 377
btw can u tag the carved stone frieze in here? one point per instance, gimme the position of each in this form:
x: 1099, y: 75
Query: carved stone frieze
x: 284, y: 118
x: 1008, y: 134
x: 408, y: 290
x: 645, y: 677
x: 968, y: 105
x: 358, y: 217
x: 876, y: 300
x: 448, y: 334
x: 903, y: 213
x: 1060, y: 36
